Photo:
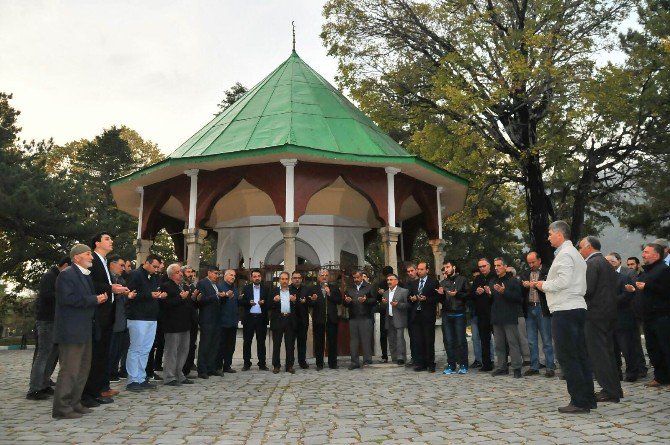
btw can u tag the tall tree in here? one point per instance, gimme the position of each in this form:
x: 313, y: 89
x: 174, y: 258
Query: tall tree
x: 490, y: 75
x: 232, y: 95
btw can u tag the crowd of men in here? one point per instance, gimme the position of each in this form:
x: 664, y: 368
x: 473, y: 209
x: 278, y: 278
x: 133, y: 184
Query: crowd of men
x: 103, y: 320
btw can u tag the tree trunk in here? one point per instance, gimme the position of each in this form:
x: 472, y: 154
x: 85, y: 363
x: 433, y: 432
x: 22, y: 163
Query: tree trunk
x: 539, y: 210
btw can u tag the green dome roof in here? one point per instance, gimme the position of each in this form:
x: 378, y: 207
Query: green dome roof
x: 293, y: 106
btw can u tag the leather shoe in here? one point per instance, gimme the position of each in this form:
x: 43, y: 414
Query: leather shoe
x: 476, y: 364
x: 631, y: 379
x: 498, y: 372
x: 517, y: 373
x: 229, y: 370
x: 304, y: 366
x: 602, y: 397
x: 48, y: 391
x: 385, y: 360
x: 352, y: 366
x: 653, y: 384
x: 486, y: 368
x: 70, y: 415
x: 319, y: 367
x: 400, y: 362
x: 187, y: 382
x: 530, y: 372
x: 109, y: 393
x: 420, y: 368
x: 263, y: 368
x: 431, y: 368
x: 202, y: 375
x: 215, y: 373
x: 104, y: 400
x: 291, y: 370
x: 572, y: 409
x: 275, y: 370
x: 82, y: 409
x: 246, y: 367
x: 37, y: 395
x: 89, y: 402
x: 172, y: 383
x: 549, y: 373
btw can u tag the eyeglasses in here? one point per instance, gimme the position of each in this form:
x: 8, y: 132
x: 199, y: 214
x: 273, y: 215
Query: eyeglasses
x: 482, y: 266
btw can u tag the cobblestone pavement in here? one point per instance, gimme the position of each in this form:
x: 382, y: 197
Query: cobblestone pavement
x: 380, y: 404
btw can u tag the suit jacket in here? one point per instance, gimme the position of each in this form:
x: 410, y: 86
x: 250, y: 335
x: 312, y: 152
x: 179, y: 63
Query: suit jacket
x: 248, y: 295
x: 319, y: 306
x: 103, y: 319
x: 76, y: 301
x: 424, y: 311
x: 175, y: 311
x: 209, y: 302
x: 506, y: 305
x: 625, y: 314
x: 275, y: 309
x: 525, y: 276
x: 230, y: 313
x: 302, y: 309
x: 356, y: 308
x: 46, y: 298
x: 601, y: 288
x: 399, y: 318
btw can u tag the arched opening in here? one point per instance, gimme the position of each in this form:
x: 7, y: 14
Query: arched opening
x: 305, y: 254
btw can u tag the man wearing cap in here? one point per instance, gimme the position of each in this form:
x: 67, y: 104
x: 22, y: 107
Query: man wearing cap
x: 73, y: 326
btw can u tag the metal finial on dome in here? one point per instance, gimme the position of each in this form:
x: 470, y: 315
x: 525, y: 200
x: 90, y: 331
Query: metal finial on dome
x: 293, y: 25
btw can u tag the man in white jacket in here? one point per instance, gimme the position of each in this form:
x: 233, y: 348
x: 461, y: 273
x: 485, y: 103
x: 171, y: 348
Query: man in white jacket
x: 565, y: 288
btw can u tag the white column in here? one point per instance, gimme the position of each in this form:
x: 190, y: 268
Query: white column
x: 193, y: 197
x: 439, y: 213
x: 390, y: 181
x: 290, y: 188
x: 140, y: 190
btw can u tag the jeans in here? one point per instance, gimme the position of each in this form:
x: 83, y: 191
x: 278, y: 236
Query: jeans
x: 142, y: 333
x: 455, y: 343
x: 535, y: 322
x: 570, y: 340
x: 476, y: 341
x: 45, y: 358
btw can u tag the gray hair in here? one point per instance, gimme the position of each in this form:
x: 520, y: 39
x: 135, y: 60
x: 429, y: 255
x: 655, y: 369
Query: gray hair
x: 501, y: 260
x: 615, y: 255
x: 186, y: 267
x: 657, y: 247
x: 171, y: 269
x: 593, y: 242
x: 560, y: 226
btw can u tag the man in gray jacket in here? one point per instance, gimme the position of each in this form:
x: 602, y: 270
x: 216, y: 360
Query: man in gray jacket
x: 601, y: 318
x: 394, y: 299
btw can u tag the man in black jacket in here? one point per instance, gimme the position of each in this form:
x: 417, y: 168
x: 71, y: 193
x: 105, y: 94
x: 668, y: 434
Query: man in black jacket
x: 482, y: 304
x: 188, y: 284
x: 601, y: 318
x: 103, y: 322
x: 302, y: 293
x: 538, y: 317
x: 47, y: 352
x: 254, y: 300
x: 324, y: 300
x: 505, y: 293
x: 209, y: 312
x: 360, y: 302
x: 382, y: 287
x: 176, y: 321
x: 453, y: 292
x: 282, y: 323
x: 653, y: 305
x: 424, y: 299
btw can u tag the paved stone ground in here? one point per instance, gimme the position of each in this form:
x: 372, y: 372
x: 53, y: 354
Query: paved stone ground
x: 381, y: 404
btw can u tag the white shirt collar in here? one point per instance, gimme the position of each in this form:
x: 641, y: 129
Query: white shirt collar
x: 83, y: 269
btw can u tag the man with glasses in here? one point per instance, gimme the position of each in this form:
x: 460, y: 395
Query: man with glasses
x: 142, y: 314
x: 483, y: 304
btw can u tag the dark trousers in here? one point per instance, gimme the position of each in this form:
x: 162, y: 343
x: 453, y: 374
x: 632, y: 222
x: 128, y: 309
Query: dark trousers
x: 485, y: 329
x: 300, y: 334
x: 568, y: 330
x: 75, y: 362
x: 224, y: 357
x: 116, y: 343
x: 412, y: 343
x: 383, y: 335
x: 600, y: 347
x: 322, y: 333
x: 97, y: 375
x: 155, y: 360
x: 45, y: 358
x: 284, y: 331
x: 190, y: 359
x: 424, y: 338
x: 657, y: 338
x: 254, y: 325
x: 627, y: 342
x: 455, y: 342
x: 209, y: 346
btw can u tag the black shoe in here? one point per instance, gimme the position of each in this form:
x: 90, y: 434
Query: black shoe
x: 70, y: 415
x: 89, y: 402
x: 114, y: 379
x: 602, y: 397
x: 37, y: 395
x: 400, y: 362
x: 215, y: 373
x: 135, y: 387
x: 229, y: 370
x: 52, y: 383
x: 530, y: 372
x: 431, y: 368
x: 82, y: 409
x: 476, y: 364
x: 304, y: 365
x: 572, y: 409
x: 275, y: 370
x: 187, y: 382
x: 202, y: 375
x: 549, y: 373
x: 517, y: 373
x: 631, y: 379
x: 319, y: 367
x: 542, y: 365
x: 367, y: 362
x: 104, y: 400
x: 291, y: 370
x: 352, y: 367
x: 333, y: 366
x: 486, y: 368
x: 172, y: 383
x: 48, y: 391
x: 526, y: 363
x: 157, y: 377
x: 498, y: 372
x: 263, y: 368
x: 246, y: 367
x: 385, y: 359
x: 420, y: 368
x: 147, y: 385
x: 123, y: 375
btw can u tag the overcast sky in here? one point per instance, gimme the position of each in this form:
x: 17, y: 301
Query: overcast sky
x: 159, y: 67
